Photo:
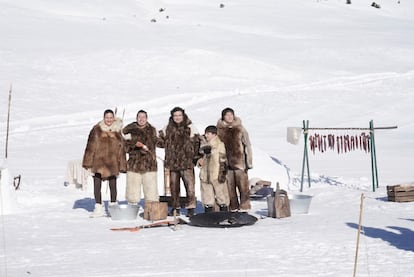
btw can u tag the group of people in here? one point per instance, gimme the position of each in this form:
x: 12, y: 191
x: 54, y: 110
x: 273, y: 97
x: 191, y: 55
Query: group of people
x: 223, y: 154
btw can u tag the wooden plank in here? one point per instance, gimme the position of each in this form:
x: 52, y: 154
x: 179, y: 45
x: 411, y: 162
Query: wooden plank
x: 403, y: 189
x: 264, y: 183
x: 400, y: 188
x: 401, y: 193
x: 400, y: 199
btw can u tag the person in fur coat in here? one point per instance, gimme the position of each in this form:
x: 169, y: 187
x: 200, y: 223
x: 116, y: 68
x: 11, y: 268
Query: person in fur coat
x: 105, y: 157
x: 142, y: 161
x: 239, y: 158
x: 213, y: 170
x: 181, y: 141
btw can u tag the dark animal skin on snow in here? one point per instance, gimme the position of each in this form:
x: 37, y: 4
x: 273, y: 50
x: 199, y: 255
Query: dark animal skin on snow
x: 222, y: 219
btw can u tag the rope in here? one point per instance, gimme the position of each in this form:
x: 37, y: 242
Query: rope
x: 351, y: 128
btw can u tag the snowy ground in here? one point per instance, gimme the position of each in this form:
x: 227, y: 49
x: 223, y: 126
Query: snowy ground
x: 276, y: 63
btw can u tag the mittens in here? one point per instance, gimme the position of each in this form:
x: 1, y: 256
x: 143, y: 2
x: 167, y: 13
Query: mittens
x: 207, y: 149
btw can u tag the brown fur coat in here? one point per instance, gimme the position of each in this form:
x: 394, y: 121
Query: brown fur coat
x: 237, y: 142
x: 141, y: 161
x: 181, y: 143
x: 105, y: 153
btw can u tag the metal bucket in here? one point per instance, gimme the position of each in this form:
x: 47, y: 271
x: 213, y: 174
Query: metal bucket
x: 123, y: 212
x: 299, y: 203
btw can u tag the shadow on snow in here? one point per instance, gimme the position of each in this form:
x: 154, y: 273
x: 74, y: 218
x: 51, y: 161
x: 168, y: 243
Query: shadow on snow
x: 88, y: 204
x: 399, y: 237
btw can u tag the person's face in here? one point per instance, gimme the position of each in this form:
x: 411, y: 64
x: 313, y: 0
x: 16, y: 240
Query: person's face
x: 209, y: 136
x: 178, y: 117
x: 229, y: 117
x: 142, y: 119
x: 109, y: 119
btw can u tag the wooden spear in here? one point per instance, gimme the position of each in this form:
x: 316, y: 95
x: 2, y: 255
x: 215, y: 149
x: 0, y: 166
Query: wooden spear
x: 359, y: 234
x: 8, y: 120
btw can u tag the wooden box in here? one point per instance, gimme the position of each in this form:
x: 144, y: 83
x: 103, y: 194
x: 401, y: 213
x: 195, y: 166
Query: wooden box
x: 154, y: 210
x: 400, y: 193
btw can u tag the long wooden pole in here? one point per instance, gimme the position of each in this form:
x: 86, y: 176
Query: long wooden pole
x: 8, y: 122
x: 359, y: 234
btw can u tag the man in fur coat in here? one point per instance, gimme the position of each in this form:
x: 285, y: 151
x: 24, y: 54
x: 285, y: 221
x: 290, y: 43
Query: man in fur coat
x: 142, y: 162
x: 105, y: 156
x: 181, y: 141
x: 239, y: 158
x: 213, y: 171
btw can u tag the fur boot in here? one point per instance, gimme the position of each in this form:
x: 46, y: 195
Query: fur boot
x: 98, y: 211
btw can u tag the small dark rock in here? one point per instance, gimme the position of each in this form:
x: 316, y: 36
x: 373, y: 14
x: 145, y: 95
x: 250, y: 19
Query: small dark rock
x: 375, y: 5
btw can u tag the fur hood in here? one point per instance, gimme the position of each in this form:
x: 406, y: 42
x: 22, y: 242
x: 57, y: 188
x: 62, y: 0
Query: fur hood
x: 237, y: 143
x: 115, y: 127
x: 223, y: 124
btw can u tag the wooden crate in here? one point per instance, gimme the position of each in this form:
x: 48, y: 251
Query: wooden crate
x: 154, y: 210
x: 400, y: 193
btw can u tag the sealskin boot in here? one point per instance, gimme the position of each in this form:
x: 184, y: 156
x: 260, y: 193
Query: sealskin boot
x: 208, y: 209
x: 98, y: 211
x: 190, y: 212
x: 223, y: 208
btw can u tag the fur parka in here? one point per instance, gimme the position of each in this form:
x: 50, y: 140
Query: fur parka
x: 237, y: 143
x: 140, y: 160
x: 214, y: 162
x: 181, y: 143
x: 105, y: 153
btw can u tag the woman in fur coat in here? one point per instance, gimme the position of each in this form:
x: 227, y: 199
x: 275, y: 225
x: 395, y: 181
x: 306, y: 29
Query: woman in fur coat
x: 239, y: 158
x: 181, y: 141
x: 105, y: 157
x: 142, y: 162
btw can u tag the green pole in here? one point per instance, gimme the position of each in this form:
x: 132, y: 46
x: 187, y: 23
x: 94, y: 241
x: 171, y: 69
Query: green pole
x: 373, y: 157
x: 305, y: 161
x: 307, y: 154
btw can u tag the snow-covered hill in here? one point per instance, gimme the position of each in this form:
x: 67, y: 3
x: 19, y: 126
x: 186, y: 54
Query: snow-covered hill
x: 276, y: 63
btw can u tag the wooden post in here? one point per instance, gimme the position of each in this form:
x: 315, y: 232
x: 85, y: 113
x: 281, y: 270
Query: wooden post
x: 359, y: 234
x: 8, y: 123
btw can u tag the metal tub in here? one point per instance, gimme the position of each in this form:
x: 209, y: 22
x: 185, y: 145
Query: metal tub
x: 123, y: 212
x: 299, y: 204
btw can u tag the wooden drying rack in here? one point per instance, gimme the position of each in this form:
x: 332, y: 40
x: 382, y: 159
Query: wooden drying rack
x: 371, y: 129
